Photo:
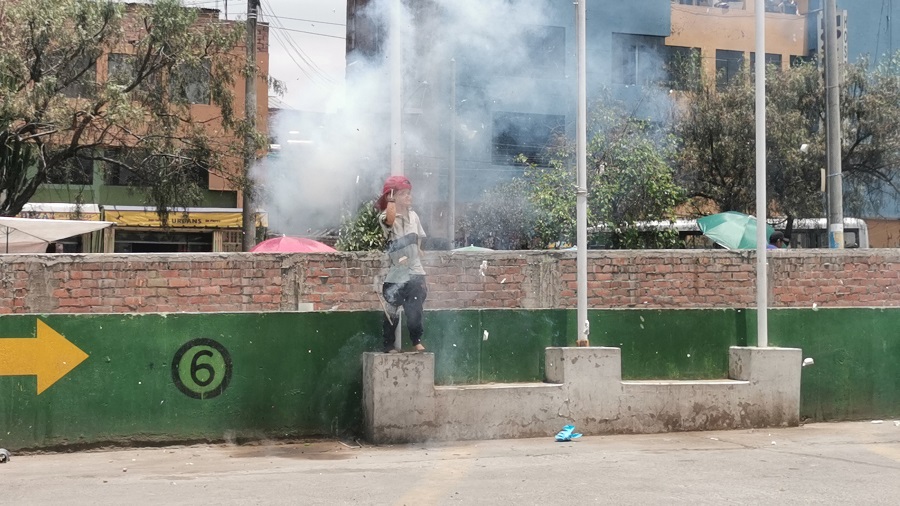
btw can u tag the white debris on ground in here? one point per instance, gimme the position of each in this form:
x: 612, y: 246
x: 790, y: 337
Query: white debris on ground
x: 808, y: 361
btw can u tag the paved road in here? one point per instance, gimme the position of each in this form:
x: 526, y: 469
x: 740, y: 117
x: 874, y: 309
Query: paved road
x: 849, y: 463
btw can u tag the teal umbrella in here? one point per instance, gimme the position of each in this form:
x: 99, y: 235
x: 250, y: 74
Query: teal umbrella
x: 732, y: 230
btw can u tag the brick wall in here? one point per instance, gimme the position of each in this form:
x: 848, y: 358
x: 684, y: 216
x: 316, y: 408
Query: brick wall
x: 230, y: 282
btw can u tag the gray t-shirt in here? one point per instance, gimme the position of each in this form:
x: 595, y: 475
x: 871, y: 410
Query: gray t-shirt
x: 403, y: 246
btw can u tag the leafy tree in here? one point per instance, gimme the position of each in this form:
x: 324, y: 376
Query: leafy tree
x: 716, y: 128
x: 870, y: 154
x: 503, y: 220
x: 82, y: 77
x: 629, y: 181
x: 361, y: 231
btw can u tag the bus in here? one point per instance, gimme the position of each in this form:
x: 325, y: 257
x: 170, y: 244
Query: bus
x: 813, y: 232
x: 806, y: 232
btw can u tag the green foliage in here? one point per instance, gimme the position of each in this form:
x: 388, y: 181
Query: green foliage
x: 503, y: 220
x: 629, y: 181
x: 716, y: 128
x: 551, y: 195
x: 361, y: 231
x: 716, y: 160
x: 161, y: 58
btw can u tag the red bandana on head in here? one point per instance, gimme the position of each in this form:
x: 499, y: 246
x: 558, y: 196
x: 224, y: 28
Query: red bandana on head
x: 393, y: 183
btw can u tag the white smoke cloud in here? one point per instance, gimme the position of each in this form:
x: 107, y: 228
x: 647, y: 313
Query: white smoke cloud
x: 511, y: 56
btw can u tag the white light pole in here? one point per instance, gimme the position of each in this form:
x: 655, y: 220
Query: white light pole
x: 581, y: 190
x: 762, y: 303
x: 396, y: 69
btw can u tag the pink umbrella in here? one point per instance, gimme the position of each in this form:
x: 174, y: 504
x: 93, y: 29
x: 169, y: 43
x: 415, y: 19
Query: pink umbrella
x: 286, y: 244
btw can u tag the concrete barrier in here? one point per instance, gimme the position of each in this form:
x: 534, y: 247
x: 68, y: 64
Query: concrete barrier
x: 584, y: 387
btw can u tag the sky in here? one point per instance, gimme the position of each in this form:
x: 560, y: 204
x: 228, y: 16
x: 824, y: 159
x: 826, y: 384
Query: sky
x: 311, y: 64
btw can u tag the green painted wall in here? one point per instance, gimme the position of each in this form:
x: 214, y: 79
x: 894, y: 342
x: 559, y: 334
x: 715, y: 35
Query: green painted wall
x: 118, y: 195
x: 857, y: 360
x: 299, y: 374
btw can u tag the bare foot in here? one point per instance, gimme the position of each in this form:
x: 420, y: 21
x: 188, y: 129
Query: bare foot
x: 419, y: 347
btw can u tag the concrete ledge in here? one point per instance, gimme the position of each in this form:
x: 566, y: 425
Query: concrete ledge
x: 401, y: 403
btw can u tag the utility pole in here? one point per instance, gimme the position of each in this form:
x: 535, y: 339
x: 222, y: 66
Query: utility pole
x: 248, y: 213
x: 395, y: 56
x: 833, y: 130
x: 581, y: 192
x: 451, y: 173
x: 762, y: 239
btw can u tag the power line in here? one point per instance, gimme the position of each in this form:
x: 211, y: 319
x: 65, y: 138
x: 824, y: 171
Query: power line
x: 309, y: 20
x: 342, y: 37
x: 310, y: 70
x: 299, y: 51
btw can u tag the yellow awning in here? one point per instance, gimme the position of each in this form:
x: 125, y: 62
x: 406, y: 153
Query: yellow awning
x: 130, y: 216
x: 60, y: 211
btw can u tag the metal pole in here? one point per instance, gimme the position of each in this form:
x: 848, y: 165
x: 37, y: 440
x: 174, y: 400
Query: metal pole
x: 396, y: 66
x: 581, y: 190
x: 762, y: 288
x: 833, y: 130
x: 248, y: 214
x: 451, y: 173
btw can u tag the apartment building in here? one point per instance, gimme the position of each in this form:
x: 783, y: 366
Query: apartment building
x: 93, y: 190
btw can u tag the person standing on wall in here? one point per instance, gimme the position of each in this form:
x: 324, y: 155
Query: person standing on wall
x: 404, y: 286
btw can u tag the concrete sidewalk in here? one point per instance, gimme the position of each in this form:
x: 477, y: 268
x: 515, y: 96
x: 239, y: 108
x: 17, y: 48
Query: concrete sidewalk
x: 851, y: 463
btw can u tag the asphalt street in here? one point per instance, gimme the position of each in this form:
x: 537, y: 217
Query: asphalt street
x: 839, y: 463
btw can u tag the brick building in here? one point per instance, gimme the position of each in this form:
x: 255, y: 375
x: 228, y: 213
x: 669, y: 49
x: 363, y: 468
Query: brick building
x: 104, y: 192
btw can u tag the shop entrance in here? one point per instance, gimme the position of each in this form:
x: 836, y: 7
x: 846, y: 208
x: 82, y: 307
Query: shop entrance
x: 163, y: 242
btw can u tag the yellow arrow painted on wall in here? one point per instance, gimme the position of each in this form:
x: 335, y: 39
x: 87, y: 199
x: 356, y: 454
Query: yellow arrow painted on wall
x: 50, y: 356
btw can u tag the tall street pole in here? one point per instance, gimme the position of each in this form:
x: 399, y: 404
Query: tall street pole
x: 395, y: 56
x: 762, y: 288
x: 581, y: 164
x: 451, y: 172
x: 396, y: 68
x: 833, y: 130
x: 248, y: 211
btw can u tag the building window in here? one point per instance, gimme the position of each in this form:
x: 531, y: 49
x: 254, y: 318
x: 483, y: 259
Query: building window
x: 637, y: 59
x: 122, y: 69
x: 524, y: 134
x: 133, y: 162
x: 796, y: 60
x: 771, y: 59
x: 541, y: 54
x: 78, y: 170
x: 118, y: 166
x: 728, y: 65
x: 545, y: 48
x: 190, y: 83
x: 163, y: 242
x: 81, y: 74
x: 682, y: 67
x: 198, y: 170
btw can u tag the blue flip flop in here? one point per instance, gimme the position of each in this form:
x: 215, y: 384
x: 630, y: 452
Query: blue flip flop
x: 567, y: 434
